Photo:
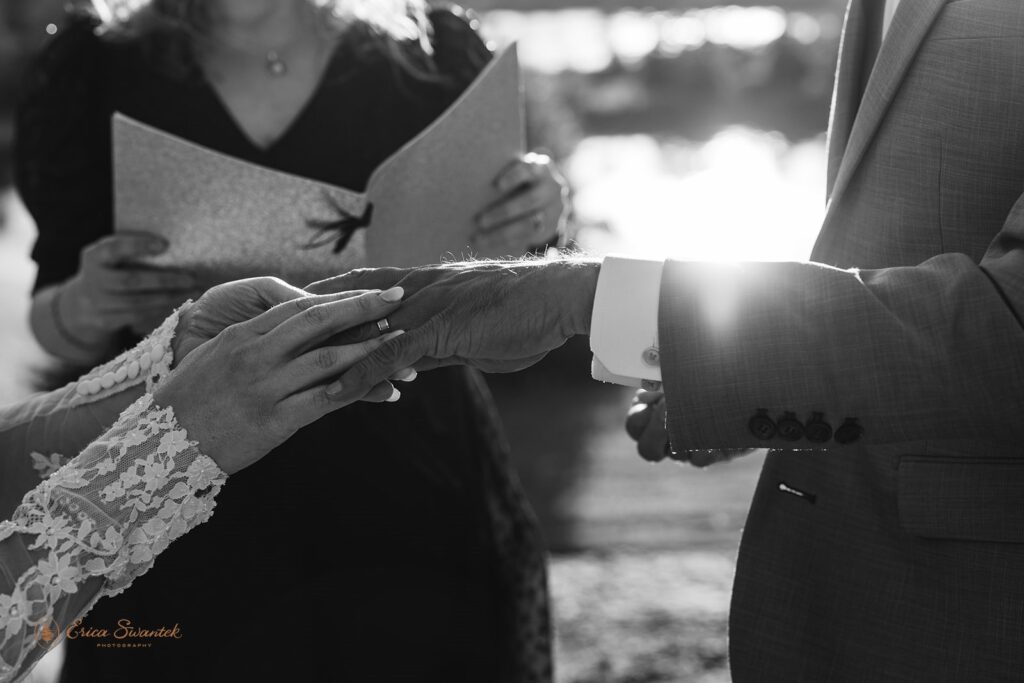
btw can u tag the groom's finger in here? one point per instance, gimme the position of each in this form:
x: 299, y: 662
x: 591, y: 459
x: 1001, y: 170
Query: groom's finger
x: 318, y: 323
x: 389, y: 358
x: 361, y: 278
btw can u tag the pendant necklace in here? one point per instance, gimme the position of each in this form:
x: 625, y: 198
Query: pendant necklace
x: 275, y: 65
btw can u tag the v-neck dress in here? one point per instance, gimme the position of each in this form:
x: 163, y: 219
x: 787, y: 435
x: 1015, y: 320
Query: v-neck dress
x: 384, y: 542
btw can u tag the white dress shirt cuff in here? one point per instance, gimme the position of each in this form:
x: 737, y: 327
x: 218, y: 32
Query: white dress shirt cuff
x: 624, y: 323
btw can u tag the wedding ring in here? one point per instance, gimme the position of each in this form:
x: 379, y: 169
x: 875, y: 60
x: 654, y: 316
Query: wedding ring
x: 383, y: 325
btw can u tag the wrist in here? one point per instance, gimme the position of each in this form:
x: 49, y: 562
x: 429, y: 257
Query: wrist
x: 579, y: 280
x: 184, y: 321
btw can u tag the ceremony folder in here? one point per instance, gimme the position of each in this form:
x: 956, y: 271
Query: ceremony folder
x: 226, y: 218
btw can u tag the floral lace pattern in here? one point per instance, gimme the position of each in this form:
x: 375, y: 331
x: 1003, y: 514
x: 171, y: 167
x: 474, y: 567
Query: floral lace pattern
x: 100, y: 519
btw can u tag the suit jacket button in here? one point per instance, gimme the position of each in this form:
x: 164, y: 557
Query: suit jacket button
x: 790, y: 428
x: 761, y: 426
x: 817, y: 430
x: 849, y: 431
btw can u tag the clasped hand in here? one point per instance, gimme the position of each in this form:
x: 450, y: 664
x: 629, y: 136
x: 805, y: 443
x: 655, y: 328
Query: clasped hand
x: 494, y: 315
x: 253, y: 358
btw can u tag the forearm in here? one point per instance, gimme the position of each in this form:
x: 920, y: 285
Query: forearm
x: 95, y: 525
x: 60, y: 334
x: 576, y: 285
x: 929, y: 352
x: 39, y: 434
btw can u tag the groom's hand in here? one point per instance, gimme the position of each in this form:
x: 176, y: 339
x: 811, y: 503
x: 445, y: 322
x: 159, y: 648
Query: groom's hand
x: 496, y: 316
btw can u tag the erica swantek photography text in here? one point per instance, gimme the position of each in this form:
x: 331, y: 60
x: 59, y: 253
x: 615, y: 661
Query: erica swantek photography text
x: 126, y: 634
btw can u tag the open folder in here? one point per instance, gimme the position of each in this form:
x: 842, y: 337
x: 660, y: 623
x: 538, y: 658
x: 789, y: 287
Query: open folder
x: 227, y: 218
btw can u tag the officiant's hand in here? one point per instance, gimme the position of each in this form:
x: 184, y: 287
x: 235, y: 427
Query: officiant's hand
x: 253, y: 385
x: 113, y: 290
x: 531, y: 212
x: 496, y: 316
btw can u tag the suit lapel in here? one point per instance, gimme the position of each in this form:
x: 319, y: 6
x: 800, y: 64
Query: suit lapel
x: 909, y: 27
x: 846, y: 92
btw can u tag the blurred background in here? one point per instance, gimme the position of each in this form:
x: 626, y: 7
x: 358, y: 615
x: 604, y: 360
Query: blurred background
x: 687, y: 129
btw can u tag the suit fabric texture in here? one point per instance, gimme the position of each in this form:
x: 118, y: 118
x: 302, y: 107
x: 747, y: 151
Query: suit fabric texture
x: 888, y: 546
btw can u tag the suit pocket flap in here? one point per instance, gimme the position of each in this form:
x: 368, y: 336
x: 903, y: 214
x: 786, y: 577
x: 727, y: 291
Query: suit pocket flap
x: 969, y: 499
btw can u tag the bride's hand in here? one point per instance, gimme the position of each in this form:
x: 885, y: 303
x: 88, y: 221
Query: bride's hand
x: 531, y: 212
x: 231, y: 303
x: 254, y: 384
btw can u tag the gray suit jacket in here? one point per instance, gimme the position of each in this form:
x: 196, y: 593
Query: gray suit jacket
x: 886, y: 542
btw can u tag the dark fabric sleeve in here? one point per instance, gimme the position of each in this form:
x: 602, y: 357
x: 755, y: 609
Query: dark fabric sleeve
x: 459, y: 51
x: 62, y: 150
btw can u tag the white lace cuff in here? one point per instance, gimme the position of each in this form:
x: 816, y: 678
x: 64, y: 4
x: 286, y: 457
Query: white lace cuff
x: 104, y: 516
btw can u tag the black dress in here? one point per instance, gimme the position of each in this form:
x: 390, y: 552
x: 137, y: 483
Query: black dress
x: 383, y: 543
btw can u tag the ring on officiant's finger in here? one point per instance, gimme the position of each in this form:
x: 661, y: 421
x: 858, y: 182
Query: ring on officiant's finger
x: 383, y: 325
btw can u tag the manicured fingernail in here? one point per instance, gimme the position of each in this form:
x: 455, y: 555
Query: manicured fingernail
x: 391, y: 335
x: 393, y: 295
x: 407, y: 375
x: 395, y: 395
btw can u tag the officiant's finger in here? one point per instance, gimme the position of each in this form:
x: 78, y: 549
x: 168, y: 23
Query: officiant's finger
x: 320, y: 322
x: 359, y: 279
x: 521, y: 172
x: 512, y: 239
x: 524, y: 205
x: 140, y: 280
x: 130, y: 308
x: 123, y: 247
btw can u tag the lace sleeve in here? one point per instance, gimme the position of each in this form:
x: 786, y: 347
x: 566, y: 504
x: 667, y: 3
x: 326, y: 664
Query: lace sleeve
x: 37, y: 434
x: 96, y: 523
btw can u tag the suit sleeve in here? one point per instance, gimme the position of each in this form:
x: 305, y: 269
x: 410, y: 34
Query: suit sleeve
x: 933, y: 351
